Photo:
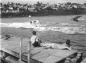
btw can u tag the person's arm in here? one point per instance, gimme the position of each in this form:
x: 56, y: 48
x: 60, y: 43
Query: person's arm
x: 37, y: 39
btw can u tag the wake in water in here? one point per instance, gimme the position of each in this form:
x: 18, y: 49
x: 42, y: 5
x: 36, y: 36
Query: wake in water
x: 36, y: 25
x: 31, y: 24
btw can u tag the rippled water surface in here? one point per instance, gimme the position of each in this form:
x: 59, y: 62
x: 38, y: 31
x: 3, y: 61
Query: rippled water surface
x: 78, y: 40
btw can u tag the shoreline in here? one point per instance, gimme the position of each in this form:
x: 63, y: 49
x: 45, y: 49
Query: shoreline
x: 13, y: 15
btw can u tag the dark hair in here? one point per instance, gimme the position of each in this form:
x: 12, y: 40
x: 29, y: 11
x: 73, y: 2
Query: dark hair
x: 34, y: 32
x: 68, y: 43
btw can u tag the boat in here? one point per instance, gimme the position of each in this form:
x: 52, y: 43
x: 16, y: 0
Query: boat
x: 78, y: 18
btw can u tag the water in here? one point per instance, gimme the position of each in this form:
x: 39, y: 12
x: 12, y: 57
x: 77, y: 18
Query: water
x: 45, y: 19
x: 78, y: 40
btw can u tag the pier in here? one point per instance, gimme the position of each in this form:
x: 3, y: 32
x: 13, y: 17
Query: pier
x: 39, y: 54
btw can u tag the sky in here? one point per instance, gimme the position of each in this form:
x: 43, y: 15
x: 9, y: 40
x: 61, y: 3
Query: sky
x: 44, y: 1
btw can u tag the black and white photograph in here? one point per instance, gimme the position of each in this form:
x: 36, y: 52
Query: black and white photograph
x: 42, y: 31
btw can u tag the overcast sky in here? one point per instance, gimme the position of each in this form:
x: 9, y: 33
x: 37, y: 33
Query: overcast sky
x: 44, y: 1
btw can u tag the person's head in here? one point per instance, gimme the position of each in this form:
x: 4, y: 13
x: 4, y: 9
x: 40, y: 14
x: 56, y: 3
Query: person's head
x: 34, y: 32
x: 68, y: 43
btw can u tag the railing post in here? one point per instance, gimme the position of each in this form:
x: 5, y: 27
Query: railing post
x: 29, y: 49
x: 20, y: 54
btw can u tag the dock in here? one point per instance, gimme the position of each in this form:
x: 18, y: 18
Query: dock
x: 42, y: 55
x: 39, y: 54
x: 51, y: 55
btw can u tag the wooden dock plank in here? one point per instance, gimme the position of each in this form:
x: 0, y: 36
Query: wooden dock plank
x: 14, y: 54
x: 51, y: 59
x: 41, y: 56
x: 47, y: 54
x: 36, y: 50
x: 64, y: 53
x: 44, y: 55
